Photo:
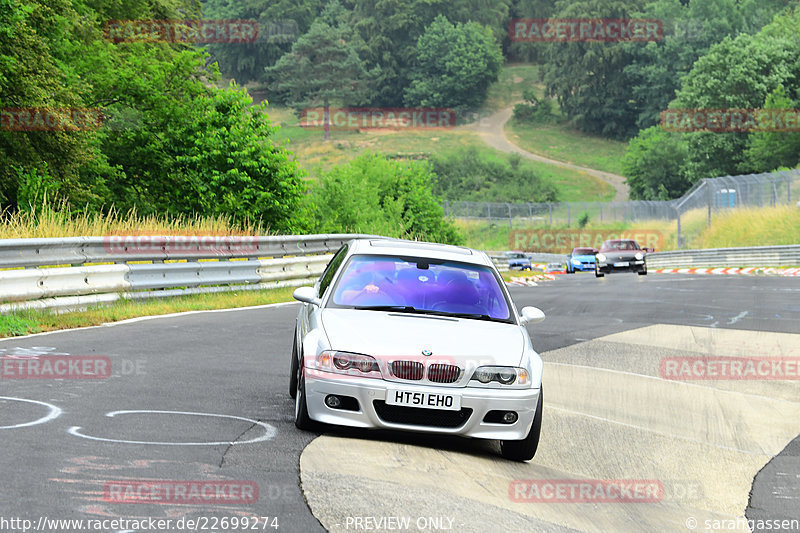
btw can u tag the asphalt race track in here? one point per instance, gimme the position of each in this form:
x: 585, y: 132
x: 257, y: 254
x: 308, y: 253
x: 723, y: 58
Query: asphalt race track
x: 202, y: 398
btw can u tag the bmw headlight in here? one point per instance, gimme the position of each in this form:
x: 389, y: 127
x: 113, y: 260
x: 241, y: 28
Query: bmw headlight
x: 505, y: 375
x: 601, y: 258
x: 347, y: 363
x: 576, y: 262
x: 639, y: 256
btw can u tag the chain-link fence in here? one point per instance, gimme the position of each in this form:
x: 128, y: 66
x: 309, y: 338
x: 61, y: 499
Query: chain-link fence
x: 711, y: 194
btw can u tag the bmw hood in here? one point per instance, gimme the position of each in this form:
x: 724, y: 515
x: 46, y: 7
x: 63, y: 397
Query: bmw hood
x: 583, y: 258
x: 390, y: 334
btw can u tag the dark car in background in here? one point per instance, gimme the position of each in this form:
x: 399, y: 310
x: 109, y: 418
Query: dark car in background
x: 621, y: 255
x: 581, y: 260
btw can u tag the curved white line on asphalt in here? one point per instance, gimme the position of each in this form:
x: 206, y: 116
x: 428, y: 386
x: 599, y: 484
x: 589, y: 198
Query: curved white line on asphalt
x: 53, y: 414
x: 269, y: 431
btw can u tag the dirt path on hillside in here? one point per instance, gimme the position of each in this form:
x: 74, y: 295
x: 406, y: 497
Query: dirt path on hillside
x: 491, y: 129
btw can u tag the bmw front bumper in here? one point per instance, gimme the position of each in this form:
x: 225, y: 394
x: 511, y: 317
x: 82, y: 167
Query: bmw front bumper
x: 371, y: 395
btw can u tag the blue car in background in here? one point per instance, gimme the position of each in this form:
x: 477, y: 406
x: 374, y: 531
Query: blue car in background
x: 581, y: 260
x: 519, y: 261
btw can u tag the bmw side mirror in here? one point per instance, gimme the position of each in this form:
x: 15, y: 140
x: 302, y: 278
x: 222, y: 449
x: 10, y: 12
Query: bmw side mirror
x: 531, y: 315
x: 307, y: 295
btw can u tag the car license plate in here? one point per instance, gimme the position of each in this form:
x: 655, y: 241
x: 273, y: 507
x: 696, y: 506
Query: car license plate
x: 622, y: 264
x: 425, y: 400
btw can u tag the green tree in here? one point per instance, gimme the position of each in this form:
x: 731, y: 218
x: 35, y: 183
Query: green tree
x: 588, y: 77
x: 770, y: 150
x: 374, y: 195
x: 280, y: 23
x: 455, y: 65
x: 33, y: 34
x: 653, y: 164
x: 690, y: 29
x: 322, y: 67
x: 736, y: 73
x: 525, y: 51
x: 390, y: 29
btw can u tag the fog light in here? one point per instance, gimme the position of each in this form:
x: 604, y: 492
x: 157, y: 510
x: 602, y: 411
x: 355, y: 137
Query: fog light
x: 334, y: 402
x: 510, y: 417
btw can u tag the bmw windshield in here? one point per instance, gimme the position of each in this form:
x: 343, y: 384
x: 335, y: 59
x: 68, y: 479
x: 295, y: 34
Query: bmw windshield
x: 421, y: 285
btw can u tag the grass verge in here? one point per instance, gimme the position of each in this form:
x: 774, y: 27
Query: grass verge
x: 317, y: 156
x: 36, y: 321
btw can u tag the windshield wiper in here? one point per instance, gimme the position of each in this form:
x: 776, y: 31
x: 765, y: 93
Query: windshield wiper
x: 401, y: 308
x: 476, y: 316
x: 410, y: 309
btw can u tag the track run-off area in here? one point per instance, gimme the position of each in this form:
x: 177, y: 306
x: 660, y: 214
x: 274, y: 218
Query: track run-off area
x: 631, y: 439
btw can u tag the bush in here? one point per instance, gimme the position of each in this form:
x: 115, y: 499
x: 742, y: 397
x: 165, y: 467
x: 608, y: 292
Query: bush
x: 467, y: 175
x: 534, y: 110
x: 374, y: 195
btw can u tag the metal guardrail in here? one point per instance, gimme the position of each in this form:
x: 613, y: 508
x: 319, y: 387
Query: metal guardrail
x: 106, y: 269
x: 75, y: 272
x: 501, y: 261
x: 775, y: 256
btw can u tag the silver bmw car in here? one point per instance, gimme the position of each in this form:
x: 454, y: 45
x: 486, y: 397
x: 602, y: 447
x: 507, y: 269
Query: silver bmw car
x: 415, y: 336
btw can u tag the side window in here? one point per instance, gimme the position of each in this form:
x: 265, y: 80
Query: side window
x: 330, y: 270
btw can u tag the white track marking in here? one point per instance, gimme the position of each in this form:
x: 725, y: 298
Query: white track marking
x: 53, y: 414
x: 269, y: 431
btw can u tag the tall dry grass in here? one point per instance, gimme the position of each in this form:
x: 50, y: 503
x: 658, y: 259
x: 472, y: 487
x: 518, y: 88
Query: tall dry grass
x: 49, y: 220
x: 764, y: 226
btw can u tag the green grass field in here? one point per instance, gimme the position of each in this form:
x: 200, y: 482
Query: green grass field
x: 558, y: 141
x: 513, y: 80
x: 316, y: 155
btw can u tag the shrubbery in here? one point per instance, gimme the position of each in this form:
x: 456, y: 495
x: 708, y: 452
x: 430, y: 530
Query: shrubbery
x: 466, y: 175
x: 378, y: 196
x: 534, y: 110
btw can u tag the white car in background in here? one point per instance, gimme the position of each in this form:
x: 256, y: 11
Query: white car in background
x: 422, y: 337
